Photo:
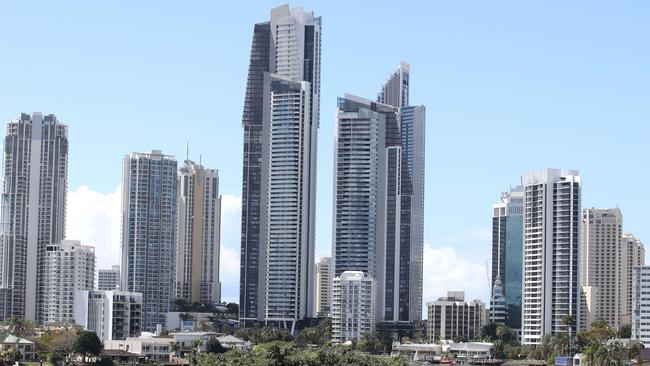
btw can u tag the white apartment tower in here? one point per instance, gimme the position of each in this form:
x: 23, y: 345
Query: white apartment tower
x: 149, y: 193
x: 198, y: 231
x: 112, y: 315
x: 551, y: 289
x: 324, y: 280
x: 601, y: 253
x: 69, y: 267
x: 633, y: 254
x: 33, y: 209
x: 641, y: 304
x: 281, y: 118
x: 353, y: 297
x: 108, y: 279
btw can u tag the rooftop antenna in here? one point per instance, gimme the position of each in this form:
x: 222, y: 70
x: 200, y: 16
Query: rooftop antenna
x: 200, y: 156
x: 187, y: 151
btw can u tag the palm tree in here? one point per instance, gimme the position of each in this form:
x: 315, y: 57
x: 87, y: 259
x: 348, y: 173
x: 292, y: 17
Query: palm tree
x: 569, y: 321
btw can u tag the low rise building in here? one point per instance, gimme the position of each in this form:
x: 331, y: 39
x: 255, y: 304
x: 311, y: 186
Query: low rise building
x: 112, y: 315
x: 452, y: 318
x: 26, y: 347
x: 153, y: 349
x: 185, y: 341
x: 232, y: 342
x: 353, y: 304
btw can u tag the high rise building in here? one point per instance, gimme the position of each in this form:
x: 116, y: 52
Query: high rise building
x: 324, y: 278
x: 108, y: 279
x: 112, y: 315
x: 281, y: 117
x: 633, y: 254
x: 507, y: 247
x: 149, y: 193
x: 33, y: 209
x: 404, y: 244
x: 379, y: 196
x: 353, y: 297
x: 601, y: 254
x: 641, y: 304
x: 451, y: 317
x: 199, y: 226
x: 551, y: 289
x: 69, y: 267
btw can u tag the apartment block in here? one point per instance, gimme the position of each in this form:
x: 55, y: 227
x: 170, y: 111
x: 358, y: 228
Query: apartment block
x: 69, y: 267
x: 452, y: 318
x: 108, y: 279
x: 112, y: 315
x: 353, y: 296
x: 551, y: 287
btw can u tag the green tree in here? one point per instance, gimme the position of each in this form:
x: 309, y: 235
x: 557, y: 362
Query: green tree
x: 226, y: 329
x: 214, y: 346
x: 19, y: 327
x: 87, y: 344
x: 625, y: 332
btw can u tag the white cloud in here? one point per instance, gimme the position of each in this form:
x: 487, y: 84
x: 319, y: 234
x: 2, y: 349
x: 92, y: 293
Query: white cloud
x: 447, y: 270
x: 94, y: 218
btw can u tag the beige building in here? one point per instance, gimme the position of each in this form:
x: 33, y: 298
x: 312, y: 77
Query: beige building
x: 198, y: 231
x: 324, y: 277
x: 633, y: 255
x: 451, y: 317
x: 601, y: 251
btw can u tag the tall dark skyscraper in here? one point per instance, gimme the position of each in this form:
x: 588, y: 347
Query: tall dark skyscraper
x: 507, y: 251
x: 281, y: 117
x: 379, y: 196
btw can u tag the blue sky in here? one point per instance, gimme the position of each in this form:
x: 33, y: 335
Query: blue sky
x: 509, y: 86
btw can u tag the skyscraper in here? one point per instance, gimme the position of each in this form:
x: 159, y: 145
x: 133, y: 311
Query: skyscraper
x: 601, y: 252
x: 69, y: 267
x: 405, y: 196
x: 324, y: 278
x: 379, y: 196
x: 149, y: 193
x: 198, y: 231
x: 551, y: 290
x: 633, y: 254
x: 507, y: 244
x: 281, y: 117
x: 33, y: 209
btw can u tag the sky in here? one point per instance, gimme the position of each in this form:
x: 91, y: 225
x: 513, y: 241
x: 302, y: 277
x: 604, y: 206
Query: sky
x: 509, y: 86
